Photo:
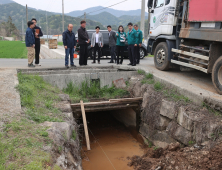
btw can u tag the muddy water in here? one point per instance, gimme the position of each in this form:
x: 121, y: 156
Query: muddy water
x: 111, y: 144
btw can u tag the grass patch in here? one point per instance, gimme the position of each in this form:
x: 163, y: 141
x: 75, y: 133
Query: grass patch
x: 212, y: 111
x: 91, y: 90
x: 141, y: 72
x: 23, y: 138
x: 169, y: 93
x: 19, y: 49
x: 39, y: 98
x: 60, y: 43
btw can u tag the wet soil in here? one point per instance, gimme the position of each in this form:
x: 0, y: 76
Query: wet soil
x: 111, y: 144
x: 174, y: 157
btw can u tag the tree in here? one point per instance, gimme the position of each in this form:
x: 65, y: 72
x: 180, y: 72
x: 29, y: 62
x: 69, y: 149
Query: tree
x: 9, y: 29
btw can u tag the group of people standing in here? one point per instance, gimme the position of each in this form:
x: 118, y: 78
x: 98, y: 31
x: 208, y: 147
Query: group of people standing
x: 32, y: 41
x: 117, y: 42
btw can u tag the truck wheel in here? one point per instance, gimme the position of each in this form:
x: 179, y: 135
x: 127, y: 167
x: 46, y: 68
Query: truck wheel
x: 161, y: 57
x: 217, y: 75
x: 142, y: 53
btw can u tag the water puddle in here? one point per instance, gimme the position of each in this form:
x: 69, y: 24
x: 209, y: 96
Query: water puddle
x: 111, y: 144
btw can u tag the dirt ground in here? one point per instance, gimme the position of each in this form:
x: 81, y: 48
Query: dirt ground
x: 174, y: 157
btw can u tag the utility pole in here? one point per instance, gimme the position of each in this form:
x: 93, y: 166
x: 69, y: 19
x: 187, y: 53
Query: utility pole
x: 47, y: 27
x: 84, y: 15
x: 22, y: 30
x: 142, y: 23
x: 26, y: 13
x: 63, y: 27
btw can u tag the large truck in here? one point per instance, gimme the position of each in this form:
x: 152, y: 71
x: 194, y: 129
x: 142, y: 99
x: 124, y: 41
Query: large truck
x: 187, y: 34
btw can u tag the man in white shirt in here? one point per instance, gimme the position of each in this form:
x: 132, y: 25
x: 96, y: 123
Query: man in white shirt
x: 97, y: 44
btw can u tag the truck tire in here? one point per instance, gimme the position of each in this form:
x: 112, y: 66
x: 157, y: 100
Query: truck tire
x: 142, y: 53
x: 161, y: 57
x: 217, y: 75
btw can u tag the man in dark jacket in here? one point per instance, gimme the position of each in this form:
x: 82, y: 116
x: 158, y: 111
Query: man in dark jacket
x: 38, y: 33
x: 30, y: 43
x: 83, y: 41
x: 69, y: 42
x: 112, y: 44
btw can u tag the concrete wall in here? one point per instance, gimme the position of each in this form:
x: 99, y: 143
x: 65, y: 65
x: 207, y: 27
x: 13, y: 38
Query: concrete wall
x: 9, y: 38
x: 51, y: 53
x: 106, y: 78
x: 126, y: 116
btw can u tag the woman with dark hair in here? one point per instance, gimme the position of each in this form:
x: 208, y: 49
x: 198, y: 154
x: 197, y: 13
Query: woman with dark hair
x: 120, y: 43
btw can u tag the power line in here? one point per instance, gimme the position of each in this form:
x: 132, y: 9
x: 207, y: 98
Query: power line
x: 104, y: 8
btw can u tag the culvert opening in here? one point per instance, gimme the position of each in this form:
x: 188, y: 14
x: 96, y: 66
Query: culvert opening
x: 112, y: 139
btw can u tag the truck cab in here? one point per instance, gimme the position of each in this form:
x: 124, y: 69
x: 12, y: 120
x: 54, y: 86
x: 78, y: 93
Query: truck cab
x: 188, y: 34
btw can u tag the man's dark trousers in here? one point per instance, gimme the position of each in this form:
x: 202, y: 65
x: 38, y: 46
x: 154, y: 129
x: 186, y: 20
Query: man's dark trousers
x: 97, y: 48
x: 137, y: 53
x: 113, y: 53
x: 37, y: 50
x: 69, y: 51
x: 83, y: 54
x: 132, y: 56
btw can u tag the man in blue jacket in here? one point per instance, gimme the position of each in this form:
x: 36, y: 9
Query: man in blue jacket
x: 139, y: 39
x: 30, y: 43
x: 69, y: 42
x: 131, y: 38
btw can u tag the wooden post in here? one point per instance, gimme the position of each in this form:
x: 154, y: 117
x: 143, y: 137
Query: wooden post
x: 85, y: 125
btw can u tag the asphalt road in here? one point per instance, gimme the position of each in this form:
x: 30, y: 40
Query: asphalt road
x: 194, y: 78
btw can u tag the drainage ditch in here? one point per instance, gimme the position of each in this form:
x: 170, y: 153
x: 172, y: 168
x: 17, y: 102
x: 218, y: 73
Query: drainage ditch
x: 111, y: 142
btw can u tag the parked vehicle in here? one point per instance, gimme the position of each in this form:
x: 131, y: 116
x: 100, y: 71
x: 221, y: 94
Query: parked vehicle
x: 187, y: 33
x: 105, y: 49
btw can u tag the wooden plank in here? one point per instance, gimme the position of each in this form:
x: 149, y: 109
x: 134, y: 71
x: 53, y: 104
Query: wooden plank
x: 85, y: 125
x: 95, y: 109
x: 127, y: 99
x: 111, y: 102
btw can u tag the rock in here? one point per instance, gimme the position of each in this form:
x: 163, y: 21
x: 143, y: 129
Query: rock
x: 168, y: 109
x: 137, y: 92
x: 64, y: 106
x: 144, y: 88
x: 174, y: 146
x: 158, y: 138
x: 60, y: 132
x: 163, y: 123
x: 185, y: 120
x: 179, y: 133
x: 120, y: 83
x: 64, y: 97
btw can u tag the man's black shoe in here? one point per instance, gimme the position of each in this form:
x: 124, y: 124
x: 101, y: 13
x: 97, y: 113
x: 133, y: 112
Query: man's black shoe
x: 111, y: 62
x: 133, y: 64
x: 129, y: 64
x: 93, y: 62
x: 73, y: 66
x: 67, y: 66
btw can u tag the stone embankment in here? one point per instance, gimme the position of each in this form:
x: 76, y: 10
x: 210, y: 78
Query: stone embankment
x: 165, y: 121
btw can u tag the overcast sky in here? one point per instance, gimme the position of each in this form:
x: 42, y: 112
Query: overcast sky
x: 72, y: 5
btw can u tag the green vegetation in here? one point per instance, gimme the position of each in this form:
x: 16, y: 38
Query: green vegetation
x: 190, y: 142
x: 212, y: 111
x: 19, y: 49
x: 60, y: 43
x: 17, y: 12
x: 88, y: 91
x: 167, y: 92
x: 23, y: 138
